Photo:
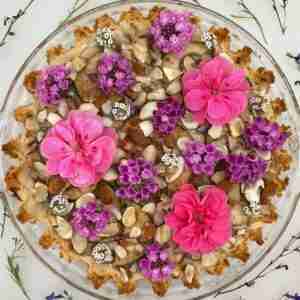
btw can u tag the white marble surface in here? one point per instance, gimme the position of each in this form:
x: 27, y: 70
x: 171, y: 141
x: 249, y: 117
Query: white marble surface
x: 43, y: 17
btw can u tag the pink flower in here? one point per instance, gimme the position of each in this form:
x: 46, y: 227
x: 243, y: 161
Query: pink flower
x: 201, y: 223
x: 79, y: 149
x: 215, y: 91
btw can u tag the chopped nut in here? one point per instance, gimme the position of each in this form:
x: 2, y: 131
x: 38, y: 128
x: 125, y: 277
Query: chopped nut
x: 63, y: 228
x: 182, y: 142
x: 215, y: 132
x: 42, y: 116
x: 79, y: 243
x: 63, y: 108
x: 146, y: 127
x: 110, y: 230
x: 110, y: 175
x: 157, y: 74
x: 120, y: 251
x: 218, y: 177
x: 189, y: 273
x: 172, y: 73
x: 89, y: 107
x: 85, y: 199
x: 149, y: 208
x: 135, y: 232
x: 163, y: 234
x: 236, y: 127
x: 140, y: 50
x: 174, y: 87
x: 78, y: 64
x: 53, y: 118
x: 150, y: 153
x: 129, y: 217
x: 159, y: 94
x: 107, y: 107
x: 148, y: 110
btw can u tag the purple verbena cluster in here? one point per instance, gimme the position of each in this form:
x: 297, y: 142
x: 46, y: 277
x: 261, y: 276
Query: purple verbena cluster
x: 53, y: 84
x: 166, y: 116
x: 137, y: 180
x: 90, y: 220
x: 264, y: 135
x: 156, y: 265
x: 172, y: 31
x: 115, y: 74
x: 245, y: 168
x: 202, y: 158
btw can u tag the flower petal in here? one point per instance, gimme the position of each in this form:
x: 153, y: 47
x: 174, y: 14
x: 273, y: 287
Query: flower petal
x: 67, y: 167
x: 88, y: 125
x: 216, y: 70
x: 218, y: 112
x: 107, y: 148
x: 54, y: 148
x: 64, y: 131
x: 236, y: 81
x: 190, y: 80
x: 84, y: 176
x: 52, y: 167
x: 196, y: 100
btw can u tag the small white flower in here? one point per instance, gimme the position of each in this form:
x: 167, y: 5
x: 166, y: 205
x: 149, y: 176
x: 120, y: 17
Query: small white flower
x: 208, y: 39
x: 102, y: 254
x: 104, y: 37
x: 60, y: 206
x: 170, y: 160
x: 121, y: 111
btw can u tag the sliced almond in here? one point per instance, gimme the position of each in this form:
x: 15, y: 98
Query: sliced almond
x: 150, y: 153
x: 146, y: 127
x: 189, y: 273
x: 120, y: 251
x: 129, y: 217
x: 79, y: 243
x: 163, y: 234
x: 63, y: 228
x: 148, y: 110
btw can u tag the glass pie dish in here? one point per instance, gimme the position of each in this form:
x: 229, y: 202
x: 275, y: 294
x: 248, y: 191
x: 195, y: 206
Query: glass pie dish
x: 74, y: 274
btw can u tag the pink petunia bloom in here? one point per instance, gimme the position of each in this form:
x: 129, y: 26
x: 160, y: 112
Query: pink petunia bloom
x: 200, y: 223
x: 79, y: 149
x: 215, y: 91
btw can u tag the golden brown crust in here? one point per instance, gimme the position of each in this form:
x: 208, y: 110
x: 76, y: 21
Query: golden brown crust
x: 54, y: 52
x: 31, y: 80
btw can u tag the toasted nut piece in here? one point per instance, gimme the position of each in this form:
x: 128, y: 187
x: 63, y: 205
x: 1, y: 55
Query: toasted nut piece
x: 129, y: 217
x: 163, y: 234
x: 79, y: 243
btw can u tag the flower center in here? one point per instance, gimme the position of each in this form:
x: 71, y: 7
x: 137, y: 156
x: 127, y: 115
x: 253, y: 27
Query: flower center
x: 196, y: 158
x: 168, y: 30
x: 198, y: 218
x: 165, y: 118
x: 214, y: 92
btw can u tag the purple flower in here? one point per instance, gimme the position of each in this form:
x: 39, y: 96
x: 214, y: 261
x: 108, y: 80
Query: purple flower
x: 201, y: 158
x: 114, y: 74
x: 156, y: 265
x: 295, y: 297
x: 167, y: 115
x: 53, y: 84
x: 89, y: 220
x: 245, y: 169
x: 172, y: 31
x: 137, y: 181
x: 264, y: 135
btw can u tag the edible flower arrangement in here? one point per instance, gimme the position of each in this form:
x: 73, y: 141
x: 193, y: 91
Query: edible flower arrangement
x: 151, y: 151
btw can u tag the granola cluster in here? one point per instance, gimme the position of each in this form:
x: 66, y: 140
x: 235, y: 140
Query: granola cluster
x: 151, y: 151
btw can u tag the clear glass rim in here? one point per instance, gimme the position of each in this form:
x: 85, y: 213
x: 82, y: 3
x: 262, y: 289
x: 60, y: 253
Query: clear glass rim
x: 154, y: 2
